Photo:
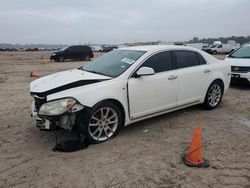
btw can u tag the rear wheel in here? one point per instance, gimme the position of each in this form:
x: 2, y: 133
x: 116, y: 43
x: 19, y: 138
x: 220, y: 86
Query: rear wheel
x: 214, y: 95
x: 100, y: 123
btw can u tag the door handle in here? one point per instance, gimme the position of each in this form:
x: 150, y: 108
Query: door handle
x: 172, y: 77
x: 207, y: 71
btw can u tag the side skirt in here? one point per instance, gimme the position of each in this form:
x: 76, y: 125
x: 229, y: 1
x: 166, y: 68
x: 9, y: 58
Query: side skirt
x: 133, y: 120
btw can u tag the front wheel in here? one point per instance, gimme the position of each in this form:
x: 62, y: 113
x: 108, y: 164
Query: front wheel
x: 100, y: 123
x: 214, y: 95
x: 60, y: 59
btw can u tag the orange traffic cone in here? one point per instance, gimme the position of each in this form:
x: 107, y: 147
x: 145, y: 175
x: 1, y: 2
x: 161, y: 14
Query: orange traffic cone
x: 193, y: 157
x: 35, y: 74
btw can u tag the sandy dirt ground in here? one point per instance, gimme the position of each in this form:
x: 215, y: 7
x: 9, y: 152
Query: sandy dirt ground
x: 145, y: 154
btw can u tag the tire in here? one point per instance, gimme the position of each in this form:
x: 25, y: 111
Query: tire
x: 87, y: 58
x: 100, y: 123
x: 214, y: 95
x: 214, y: 52
x: 60, y: 59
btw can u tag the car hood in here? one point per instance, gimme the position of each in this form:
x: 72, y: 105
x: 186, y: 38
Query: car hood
x: 64, y: 80
x: 240, y: 62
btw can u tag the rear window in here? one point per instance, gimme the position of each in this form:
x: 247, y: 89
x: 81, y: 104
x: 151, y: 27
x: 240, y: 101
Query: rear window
x: 201, y: 59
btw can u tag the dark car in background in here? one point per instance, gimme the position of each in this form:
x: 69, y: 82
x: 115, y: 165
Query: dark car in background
x: 80, y: 52
x: 108, y: 48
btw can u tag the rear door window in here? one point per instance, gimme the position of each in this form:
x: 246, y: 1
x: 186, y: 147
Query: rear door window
x: 186, y: 59
x: 71, y: 49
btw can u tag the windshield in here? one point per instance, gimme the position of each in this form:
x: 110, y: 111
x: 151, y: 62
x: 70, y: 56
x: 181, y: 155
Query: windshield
x: 113, y: 63
x: 62, y: 49
x: 243, y: 52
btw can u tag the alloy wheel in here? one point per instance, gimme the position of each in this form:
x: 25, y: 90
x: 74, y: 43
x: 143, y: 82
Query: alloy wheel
x: 103, y: 124
x: 214, y: 95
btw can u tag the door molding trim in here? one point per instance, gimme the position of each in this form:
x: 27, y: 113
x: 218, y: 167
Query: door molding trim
x: 165, y: 110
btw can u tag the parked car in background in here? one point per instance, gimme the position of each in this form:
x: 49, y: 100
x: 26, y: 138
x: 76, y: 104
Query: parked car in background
x: 205, y: 47
x: 240, y: 64
x: 122, y: 46
x: 128, y: 85
x: 108, y: 48
x: 31, y: 49
x: 8, y: 49
x: 74, y: 53
x: 221, y: 49
x: 96, y: 48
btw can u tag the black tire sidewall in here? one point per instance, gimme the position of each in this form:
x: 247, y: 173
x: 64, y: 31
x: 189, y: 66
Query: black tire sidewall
x: 60, y: 59
x: 85, y: 116
x: 206, y: 103
x: 87, y: 58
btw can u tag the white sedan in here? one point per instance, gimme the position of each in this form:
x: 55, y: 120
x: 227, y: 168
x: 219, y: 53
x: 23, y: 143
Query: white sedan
x: 240, y: 64
x: 128, y: 85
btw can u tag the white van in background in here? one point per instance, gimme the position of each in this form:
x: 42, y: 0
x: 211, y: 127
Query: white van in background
x: 222, y: 48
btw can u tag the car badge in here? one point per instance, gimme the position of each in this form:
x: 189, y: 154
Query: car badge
x: 236, y: 68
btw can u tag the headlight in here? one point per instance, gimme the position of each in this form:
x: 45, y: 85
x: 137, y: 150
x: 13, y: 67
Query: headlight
x: 59, y: 107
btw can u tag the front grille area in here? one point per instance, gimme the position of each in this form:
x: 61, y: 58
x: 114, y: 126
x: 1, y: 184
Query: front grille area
x: 39, y: 102
x: 240, y: 81
x: 240, y: 69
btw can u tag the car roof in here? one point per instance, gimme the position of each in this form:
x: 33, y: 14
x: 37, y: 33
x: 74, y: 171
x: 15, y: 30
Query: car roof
x: 156, y: 48
x: 79, y: 46
x: 152, y: 48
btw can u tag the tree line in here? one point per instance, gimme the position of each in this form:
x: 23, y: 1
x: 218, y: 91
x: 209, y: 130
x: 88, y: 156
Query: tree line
x: 238, y: 39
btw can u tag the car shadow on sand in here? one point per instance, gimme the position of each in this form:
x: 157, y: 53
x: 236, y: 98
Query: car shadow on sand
x: 240, y: 86
x: 157, y: 120
x: 135, y: 128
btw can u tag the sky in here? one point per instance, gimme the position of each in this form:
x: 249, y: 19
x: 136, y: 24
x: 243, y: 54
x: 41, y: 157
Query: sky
x: 119, y: 21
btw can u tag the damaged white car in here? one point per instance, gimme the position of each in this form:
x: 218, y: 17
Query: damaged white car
x: 128, y: 85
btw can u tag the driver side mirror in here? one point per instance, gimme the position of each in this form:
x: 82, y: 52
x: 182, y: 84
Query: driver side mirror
x: 144, y: 71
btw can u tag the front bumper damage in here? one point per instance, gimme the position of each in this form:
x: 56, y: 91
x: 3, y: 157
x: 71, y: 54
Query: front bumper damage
x: 65, y: 121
